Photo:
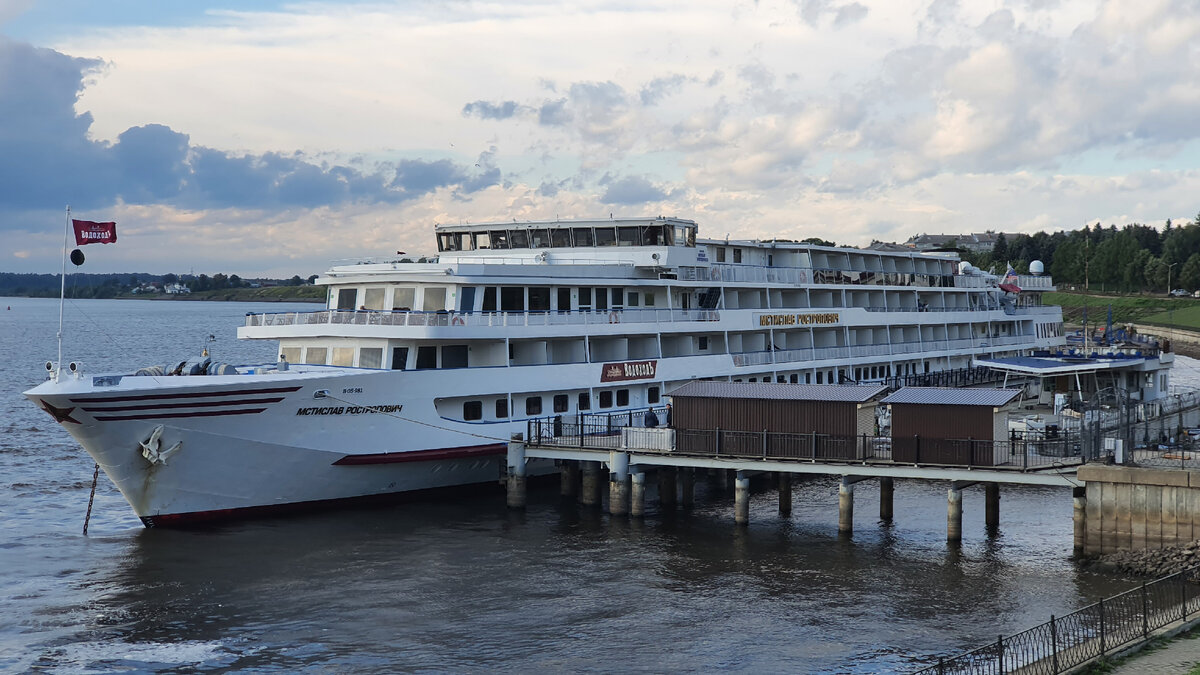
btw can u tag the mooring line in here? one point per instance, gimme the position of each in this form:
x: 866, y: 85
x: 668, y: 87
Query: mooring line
x: 92, y: 498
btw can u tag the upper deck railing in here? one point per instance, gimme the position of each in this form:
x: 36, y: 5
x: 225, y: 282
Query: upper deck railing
x: 364, y: 317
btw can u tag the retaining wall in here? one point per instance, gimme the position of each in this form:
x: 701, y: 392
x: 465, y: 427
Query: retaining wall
x: 1132, y: 509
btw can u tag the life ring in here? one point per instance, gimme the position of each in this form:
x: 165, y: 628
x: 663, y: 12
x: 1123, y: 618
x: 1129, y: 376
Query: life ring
x: 613, y: 317
x: 458, y: 321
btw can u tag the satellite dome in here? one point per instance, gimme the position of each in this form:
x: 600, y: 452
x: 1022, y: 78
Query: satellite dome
x: 964, y: 267
x: 1036, y: 268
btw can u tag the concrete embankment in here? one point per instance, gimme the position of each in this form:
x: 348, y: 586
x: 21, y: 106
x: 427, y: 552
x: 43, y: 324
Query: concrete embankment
x: 1153, y: 563
x: 1186, y: 342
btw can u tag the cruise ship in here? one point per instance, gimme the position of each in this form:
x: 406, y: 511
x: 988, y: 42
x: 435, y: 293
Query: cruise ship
x: 418, y: 370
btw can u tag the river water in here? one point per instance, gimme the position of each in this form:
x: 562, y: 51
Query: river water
x: 463, y: 585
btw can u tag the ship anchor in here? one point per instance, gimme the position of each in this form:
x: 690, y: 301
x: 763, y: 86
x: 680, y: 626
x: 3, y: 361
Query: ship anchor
x: 150, y: 447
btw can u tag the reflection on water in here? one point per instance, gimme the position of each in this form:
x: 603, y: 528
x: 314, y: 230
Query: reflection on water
x: 466, y: 585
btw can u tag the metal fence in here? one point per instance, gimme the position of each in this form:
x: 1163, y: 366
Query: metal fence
x: 1065, y: 642
x: 588, y: 430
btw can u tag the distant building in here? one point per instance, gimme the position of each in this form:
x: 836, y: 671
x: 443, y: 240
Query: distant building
x: 976, y: 241
x: 176, y: 289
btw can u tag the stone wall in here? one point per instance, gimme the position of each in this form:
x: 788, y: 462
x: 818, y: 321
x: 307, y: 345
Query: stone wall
x: 1134, y: 509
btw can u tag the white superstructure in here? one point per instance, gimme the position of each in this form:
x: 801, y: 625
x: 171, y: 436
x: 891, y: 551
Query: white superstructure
x: 416, y: 373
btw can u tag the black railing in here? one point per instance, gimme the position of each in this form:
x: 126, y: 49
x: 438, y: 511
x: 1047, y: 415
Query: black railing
x: 591, y: 430
x: 1066, y: 642
x: 958, y: 377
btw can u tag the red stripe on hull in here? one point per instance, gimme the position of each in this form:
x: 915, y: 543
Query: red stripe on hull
x: 194, y: 394
x: 436, y: 454
x: 200, y: 518
x: 203, y: 413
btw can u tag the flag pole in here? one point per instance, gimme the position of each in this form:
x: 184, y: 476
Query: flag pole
x: 62, y: 293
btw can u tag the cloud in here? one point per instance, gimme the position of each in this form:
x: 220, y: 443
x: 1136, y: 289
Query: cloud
x: 490, y: 111
x: 632, y: 190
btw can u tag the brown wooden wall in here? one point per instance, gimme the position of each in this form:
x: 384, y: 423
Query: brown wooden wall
x: 733, y: 414
x: 942, y: 421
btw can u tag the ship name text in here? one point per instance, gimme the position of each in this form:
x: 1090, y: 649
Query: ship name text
x: 798, y: 319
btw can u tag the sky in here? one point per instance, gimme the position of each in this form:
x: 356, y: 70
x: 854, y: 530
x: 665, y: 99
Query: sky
x: 271, y: 138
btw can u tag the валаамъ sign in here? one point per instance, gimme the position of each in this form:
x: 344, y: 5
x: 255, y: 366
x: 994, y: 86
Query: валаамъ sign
x: 628, y: 370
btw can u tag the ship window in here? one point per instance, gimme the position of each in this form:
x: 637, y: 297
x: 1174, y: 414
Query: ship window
x: 622, y: 397
x: 346, y: 297
x: 720, y: 254
x: 518, y: 238
x: 404, y: 297
x: 533, y: 405
x: 539, y: 299
x: 585, y: 299
x: 434, y: 299
x: 290, y: 354
x: 627, y: 236
x: 652, y: 395
x: 702, y: 342
x: 560, y: 238
x: 373, y: 299
x: 564, y: 299
x: 426, y: 358
x: 585, y: 401
x: 754, y: 379
x: 780, y: 379
x: 649, y: 298
x: 652, y: 235
x: 560, y: 403
x: 539, y: 239
x: 512, y: 298
x: 399, y: 358
x: 501, y: 408
x: 370, y: 357
x: 582, y: 236
x: 466, y: 299
x: 343, y: 356
x: 633, y: 299
x: 794, y: 378
x: 606, y: 399
x: 820, y: 377
x: 472, y: 410
x: 482, y: 240
x: 499, y: 238
x: 489, y: 299
x: 454, y: 356
x: 617, y: 296
x: 316, y: 355
x: 601, y: 299
x: 606, y: 236
x: 737, y: 255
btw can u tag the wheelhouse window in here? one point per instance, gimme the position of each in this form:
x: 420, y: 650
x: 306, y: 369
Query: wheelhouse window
x: 499, y: 238
x: 652, y: 235
x: 606, y: 236
x: 539, y: 238
x: 472, y: 410
x: 737, y: 255
x: 512, y: 299
x: 628, y: 236
x: 373, y: 298
x: 720, y: 251
x: 482, y: 240
x: 346, y: 298
x: 560, y: 238
x: 583, y: 236
x: 404, y: 298
x: 518, y: 239
x: 434, y: 299
x: 533, y: 405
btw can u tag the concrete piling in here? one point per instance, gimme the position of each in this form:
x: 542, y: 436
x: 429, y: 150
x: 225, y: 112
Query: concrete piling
x: 569, y: 478
x: 637, y: 496
x: 785, y: 493
x: 887, y: 491
x: 618, y: 483
x: 1079, y: 518
x: 954, y: 515
x: 846, y: 506
x: 666, y: 486
x: 687, y: 480
x: 516, y: 472
x: 589, y: 494
x: 741, y: 499
x: 992, y: 505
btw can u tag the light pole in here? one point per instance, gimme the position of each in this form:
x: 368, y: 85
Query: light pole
x: 1169, y: 277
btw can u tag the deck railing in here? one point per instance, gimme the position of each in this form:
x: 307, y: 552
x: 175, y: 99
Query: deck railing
x: 1067, y: 642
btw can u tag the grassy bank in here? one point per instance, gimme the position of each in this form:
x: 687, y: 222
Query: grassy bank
x: 1158, y: 310
x: 272, y: 294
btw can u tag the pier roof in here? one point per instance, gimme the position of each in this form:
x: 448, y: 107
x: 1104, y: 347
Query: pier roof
x: 842, y: 393
x: 1051, y: 365
x: 953, y: 396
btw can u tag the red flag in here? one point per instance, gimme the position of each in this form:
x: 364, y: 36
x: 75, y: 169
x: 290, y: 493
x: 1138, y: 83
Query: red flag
x: 87, y: 232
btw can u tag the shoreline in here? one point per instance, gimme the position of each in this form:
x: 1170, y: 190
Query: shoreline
x: 225, y: 295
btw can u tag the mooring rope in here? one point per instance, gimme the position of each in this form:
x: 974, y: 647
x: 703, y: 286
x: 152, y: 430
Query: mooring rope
x: 92, y: 498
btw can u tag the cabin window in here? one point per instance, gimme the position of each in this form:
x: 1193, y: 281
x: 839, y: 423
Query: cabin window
x: 582, y: 236
x: 601, y: 299
x: 539, y: 299
x: 564, y: 300
x: 754, y: 379
x: 482, y: 240
x: 346, y: 298
x: 399, y: 358
x: 702, y: 342
x: 373, y: 298
x: 858, y: 373
x: 290, y: 354
x: 627, y: 236
x: 780, y: 379
x: 466, y: 299
x: 472, y: 410
x: 512, y: 299
x: 560, y: 238
x: 606, y: 236
x: 343, y: 356
x: 820, y: 377
x: 585, y: 401
x: 434, y: 299
x: 794, y: 378
x: 618, y: 297
x: 426, y: 357
x: 632, y: 299
x: 489, y: 299
x: 370, y: 357
x: 585, y: 299
x: 606, y: 399
x: 737, y: 255
x: 560, y: 403
x: 316, y: 355
x: 720, y: 254
x: 650, y: 298
x: 501, y: 408
x: 499, y: 238
x: 518, y: 239
x: 404, y: 298
x: 652, y: 395
x: 539, y: 239
x: 533, y: 405
x: 622, y: 397
x: 454, y: 356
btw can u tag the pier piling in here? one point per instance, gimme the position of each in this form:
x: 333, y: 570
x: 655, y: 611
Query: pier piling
x: 569, y: 478
x: 887, y: 492
x: 666, y: 486
x: 1079, y: 518
x: 637, y: 496
x: 741, y: 498
x: 992, y: 505
x: 516, y: 472
x: 846, y: 506
x: 618, y: 483
x: 785, y: 493
x: 687, y: 480
x: 954, y: 514
x: 589, y: 495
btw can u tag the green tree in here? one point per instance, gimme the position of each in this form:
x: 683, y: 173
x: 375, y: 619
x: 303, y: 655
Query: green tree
x: 1000, y: 250
x: 1189, y: 275
x: 219, y: 281
x: 235, y: 281
x: 170, y: 278
x: 295, y: 281
x: 1156, y: 274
